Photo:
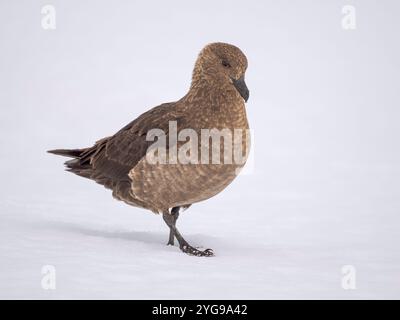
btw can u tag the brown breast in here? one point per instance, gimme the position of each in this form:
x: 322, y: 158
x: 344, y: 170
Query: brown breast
x: 162, y: 186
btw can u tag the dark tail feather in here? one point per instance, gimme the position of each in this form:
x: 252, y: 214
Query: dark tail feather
x: 80, y: 164
x: 74, y: 153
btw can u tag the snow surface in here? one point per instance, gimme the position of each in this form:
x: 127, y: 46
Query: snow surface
x: 322, y: 193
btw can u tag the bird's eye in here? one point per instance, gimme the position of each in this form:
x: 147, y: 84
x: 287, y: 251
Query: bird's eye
x: 226, y: 64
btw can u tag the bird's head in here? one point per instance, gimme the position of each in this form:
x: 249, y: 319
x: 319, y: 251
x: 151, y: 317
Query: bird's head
x: 223, y: 65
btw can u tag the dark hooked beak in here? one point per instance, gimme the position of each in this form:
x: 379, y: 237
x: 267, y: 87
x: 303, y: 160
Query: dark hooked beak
x: 241, y: 87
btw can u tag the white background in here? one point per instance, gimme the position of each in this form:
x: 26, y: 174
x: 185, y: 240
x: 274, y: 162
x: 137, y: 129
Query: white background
x: 324, y: 191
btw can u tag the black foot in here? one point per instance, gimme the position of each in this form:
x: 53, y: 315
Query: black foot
x: 188, y: 249
x: 170, y: 219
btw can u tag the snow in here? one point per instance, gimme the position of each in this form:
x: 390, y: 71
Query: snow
x: 323, y: 191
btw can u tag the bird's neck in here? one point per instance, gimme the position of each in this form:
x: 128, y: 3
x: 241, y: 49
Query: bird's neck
x: 216, y: 103
x: 216, y: 93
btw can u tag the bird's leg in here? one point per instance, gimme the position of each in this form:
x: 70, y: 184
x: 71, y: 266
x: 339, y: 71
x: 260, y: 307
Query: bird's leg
x: 183, y: 244
x: 175, y: 215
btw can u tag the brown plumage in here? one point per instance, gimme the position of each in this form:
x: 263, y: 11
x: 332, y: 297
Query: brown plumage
x: 215, y: 100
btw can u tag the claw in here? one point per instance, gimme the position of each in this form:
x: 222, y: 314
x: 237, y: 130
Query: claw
x: 196, y: 252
